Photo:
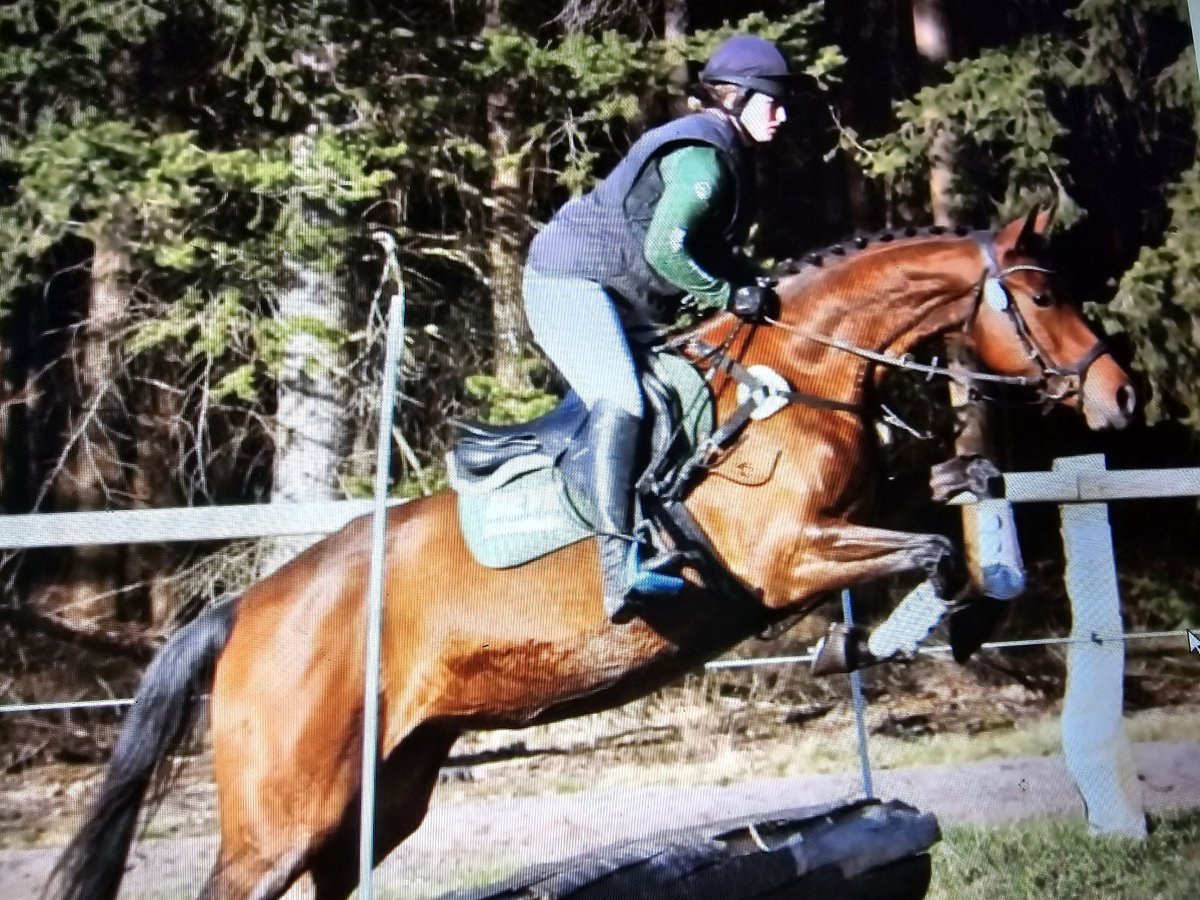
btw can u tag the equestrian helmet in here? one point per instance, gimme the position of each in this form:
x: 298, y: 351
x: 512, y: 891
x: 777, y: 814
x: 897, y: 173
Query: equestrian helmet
x: 751, y: 62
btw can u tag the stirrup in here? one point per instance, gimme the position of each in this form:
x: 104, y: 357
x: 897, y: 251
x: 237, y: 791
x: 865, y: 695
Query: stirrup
x: 647, y: 581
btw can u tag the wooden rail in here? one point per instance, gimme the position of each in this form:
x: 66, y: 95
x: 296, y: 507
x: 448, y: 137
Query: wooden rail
x: 1094, y: 485
x: 188, y: 523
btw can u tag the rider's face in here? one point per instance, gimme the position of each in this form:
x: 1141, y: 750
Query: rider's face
x: 762, y: 117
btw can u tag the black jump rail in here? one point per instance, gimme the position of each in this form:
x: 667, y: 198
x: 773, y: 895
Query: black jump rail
x: 853, y: 851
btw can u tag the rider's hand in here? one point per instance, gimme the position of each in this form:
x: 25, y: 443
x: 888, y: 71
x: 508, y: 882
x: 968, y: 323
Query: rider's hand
x: 754, y: 302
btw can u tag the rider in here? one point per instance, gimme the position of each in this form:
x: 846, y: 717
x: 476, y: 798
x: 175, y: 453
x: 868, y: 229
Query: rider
x: 611, y: 265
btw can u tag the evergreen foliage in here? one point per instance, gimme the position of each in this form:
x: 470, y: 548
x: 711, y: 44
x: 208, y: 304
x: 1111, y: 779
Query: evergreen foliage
x: 1105, y: 103
x: 200, y: 137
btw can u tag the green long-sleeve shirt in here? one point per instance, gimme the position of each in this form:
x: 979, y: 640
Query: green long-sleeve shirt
x: 694, y: 184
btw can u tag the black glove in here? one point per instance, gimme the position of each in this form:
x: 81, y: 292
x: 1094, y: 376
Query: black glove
x: 754, y: 302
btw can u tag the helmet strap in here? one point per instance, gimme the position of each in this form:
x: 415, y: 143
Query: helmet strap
x: 739, y: 103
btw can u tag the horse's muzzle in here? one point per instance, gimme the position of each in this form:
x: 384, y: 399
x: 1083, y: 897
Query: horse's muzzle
x: 1108, y: 398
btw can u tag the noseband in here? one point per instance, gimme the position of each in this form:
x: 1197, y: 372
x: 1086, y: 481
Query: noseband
x: 1057, y: 382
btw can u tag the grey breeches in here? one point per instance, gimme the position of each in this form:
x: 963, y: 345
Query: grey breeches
x: 575, y: 322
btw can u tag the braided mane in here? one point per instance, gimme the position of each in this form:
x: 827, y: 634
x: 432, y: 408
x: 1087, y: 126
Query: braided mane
x: 846, y: 249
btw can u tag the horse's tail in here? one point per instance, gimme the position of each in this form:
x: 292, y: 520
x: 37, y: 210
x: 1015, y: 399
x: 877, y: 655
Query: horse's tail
x: 92, y: 865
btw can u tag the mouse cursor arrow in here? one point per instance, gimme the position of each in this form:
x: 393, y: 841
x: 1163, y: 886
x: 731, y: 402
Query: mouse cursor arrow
x: 1193, y: 642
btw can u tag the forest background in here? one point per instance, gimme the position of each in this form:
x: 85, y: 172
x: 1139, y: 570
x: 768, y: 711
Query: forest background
x: 190, y: 304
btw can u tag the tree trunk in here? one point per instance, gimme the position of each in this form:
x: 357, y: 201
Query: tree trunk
x: 90, y: 474
x: 152, y: 486
x: 675, y: 29
x: 506, y: 232
x: 876, y: 37
x: 310, y: 422
x: 932, y: 37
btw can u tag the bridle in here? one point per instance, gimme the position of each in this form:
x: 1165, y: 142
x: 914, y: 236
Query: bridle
x: 1053, y: 384
x: 1056, y: 382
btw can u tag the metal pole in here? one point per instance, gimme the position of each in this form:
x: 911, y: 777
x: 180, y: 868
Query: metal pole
x: 1194, y: 16
x: 375, y: 586
x: 860, y: 708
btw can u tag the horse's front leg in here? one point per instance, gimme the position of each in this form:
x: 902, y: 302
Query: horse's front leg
x: 837, y: 555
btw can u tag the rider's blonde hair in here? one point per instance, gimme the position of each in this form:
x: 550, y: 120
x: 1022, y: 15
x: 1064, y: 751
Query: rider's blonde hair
x: 712, y: 96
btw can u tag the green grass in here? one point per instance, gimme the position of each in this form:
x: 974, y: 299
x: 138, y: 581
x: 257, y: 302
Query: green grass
x: 1060, y: 861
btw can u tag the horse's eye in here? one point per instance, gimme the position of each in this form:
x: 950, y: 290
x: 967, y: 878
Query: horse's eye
x: 1043, y: 300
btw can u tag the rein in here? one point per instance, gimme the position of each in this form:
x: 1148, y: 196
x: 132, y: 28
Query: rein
x: 764, y: 396
x: 1054, y: 384
x: 961, y: 376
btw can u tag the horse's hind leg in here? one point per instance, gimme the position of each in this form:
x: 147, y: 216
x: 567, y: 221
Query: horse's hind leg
x: 248, y: 876
x: 285, y: 757
x: 405, y: 782
x: 260, y: 868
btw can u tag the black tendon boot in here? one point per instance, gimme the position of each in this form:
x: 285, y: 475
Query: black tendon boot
x: 614, y: 434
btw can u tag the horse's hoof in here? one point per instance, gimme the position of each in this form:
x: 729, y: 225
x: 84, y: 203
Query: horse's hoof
x: 842, y: 650
x: 972, y: 625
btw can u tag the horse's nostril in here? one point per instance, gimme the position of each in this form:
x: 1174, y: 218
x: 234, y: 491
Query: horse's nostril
x: 1126, y: 399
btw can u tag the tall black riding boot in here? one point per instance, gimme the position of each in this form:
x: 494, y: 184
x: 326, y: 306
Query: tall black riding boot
x: 614, y: 435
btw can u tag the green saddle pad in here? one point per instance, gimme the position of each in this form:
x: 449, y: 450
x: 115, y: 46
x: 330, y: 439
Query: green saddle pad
x: 524, y: 510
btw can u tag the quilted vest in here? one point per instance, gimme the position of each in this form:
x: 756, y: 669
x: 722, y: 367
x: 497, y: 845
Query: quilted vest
x: 601, y: 235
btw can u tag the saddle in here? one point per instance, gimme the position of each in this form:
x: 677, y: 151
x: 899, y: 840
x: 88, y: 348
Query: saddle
x: 523, y: 489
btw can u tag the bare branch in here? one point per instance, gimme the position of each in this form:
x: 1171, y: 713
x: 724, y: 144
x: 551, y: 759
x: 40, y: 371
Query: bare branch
x: 584, y: 15
x: 23, y: 619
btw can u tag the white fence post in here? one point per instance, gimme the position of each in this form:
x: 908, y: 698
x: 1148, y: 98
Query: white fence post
x: 1097, y: 751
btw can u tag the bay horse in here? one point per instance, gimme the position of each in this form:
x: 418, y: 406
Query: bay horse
x: 467, y: 647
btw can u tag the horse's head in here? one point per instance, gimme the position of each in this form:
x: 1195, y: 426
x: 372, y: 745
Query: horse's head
x: 1021, y: 326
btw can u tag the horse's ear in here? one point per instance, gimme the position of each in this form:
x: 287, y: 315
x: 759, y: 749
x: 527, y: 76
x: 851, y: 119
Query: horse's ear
x: 1028, y: 235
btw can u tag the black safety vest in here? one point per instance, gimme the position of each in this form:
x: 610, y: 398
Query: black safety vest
x: 602, y: 234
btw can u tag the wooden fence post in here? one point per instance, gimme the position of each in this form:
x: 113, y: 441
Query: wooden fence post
x: 990, y: 545
x: 1097, y: 751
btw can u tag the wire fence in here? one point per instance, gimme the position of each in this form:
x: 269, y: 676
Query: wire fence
x: 715, y: 665
x: 941, y: 649
x: 1093, y: 735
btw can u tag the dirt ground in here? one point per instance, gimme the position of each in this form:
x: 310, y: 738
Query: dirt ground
x: 709, y: 751
x: 467, y: 842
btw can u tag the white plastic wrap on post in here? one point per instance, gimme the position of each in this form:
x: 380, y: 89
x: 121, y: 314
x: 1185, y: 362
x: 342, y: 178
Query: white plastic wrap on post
x: 1001, y: 571
x: 1194, y: 15
x: 1096, y: 748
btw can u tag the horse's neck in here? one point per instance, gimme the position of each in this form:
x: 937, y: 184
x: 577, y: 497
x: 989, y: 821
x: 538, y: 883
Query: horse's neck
x: 884, y: 306
x: 885, y: 302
